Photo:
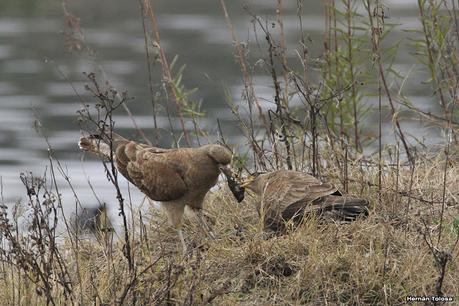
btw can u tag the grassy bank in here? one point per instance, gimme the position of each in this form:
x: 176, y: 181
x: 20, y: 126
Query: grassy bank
x: 406, y: 247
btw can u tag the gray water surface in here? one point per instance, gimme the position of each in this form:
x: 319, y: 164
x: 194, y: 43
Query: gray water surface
x: 38, y: 78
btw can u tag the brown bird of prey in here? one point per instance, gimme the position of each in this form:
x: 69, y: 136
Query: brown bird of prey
x: 285, y: 195
x: 174, y: 177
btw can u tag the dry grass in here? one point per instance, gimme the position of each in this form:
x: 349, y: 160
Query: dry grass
x: 375, y: 261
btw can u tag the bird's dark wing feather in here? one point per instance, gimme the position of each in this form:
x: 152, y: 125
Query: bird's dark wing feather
x: 345, y: 208
x: 148, y: 169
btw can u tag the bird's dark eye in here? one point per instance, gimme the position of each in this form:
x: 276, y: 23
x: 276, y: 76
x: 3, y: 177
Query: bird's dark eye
x: 257, y: 174
x: 95, y: 136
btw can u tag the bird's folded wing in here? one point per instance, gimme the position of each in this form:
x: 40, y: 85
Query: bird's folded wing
x: 150, y: 170
x: 288, y: 193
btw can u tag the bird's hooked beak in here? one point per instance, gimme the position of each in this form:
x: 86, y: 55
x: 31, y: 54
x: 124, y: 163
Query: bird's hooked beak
x: 229, y: 173
x: 226, y: 170
x: 249, y: 180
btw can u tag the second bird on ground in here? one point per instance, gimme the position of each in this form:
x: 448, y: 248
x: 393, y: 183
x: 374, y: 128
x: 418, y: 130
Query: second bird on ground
x: 285, y: 195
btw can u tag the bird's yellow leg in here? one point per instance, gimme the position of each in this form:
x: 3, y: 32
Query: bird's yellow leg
x: 182, y: 240
x: 175, y: 212
x: 204, y: 225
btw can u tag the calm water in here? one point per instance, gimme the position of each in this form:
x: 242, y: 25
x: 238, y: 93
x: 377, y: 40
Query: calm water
x: 32, y: 87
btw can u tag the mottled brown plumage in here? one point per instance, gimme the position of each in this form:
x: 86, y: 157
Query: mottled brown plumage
x: 287, y: 195
x: 175, y: 177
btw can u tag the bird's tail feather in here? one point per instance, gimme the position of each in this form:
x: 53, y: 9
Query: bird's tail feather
x: 343, y: 208
x: 101, y: 144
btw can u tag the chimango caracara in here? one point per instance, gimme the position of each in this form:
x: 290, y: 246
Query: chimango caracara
x: 285, y: 195
x: 174, y: 177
